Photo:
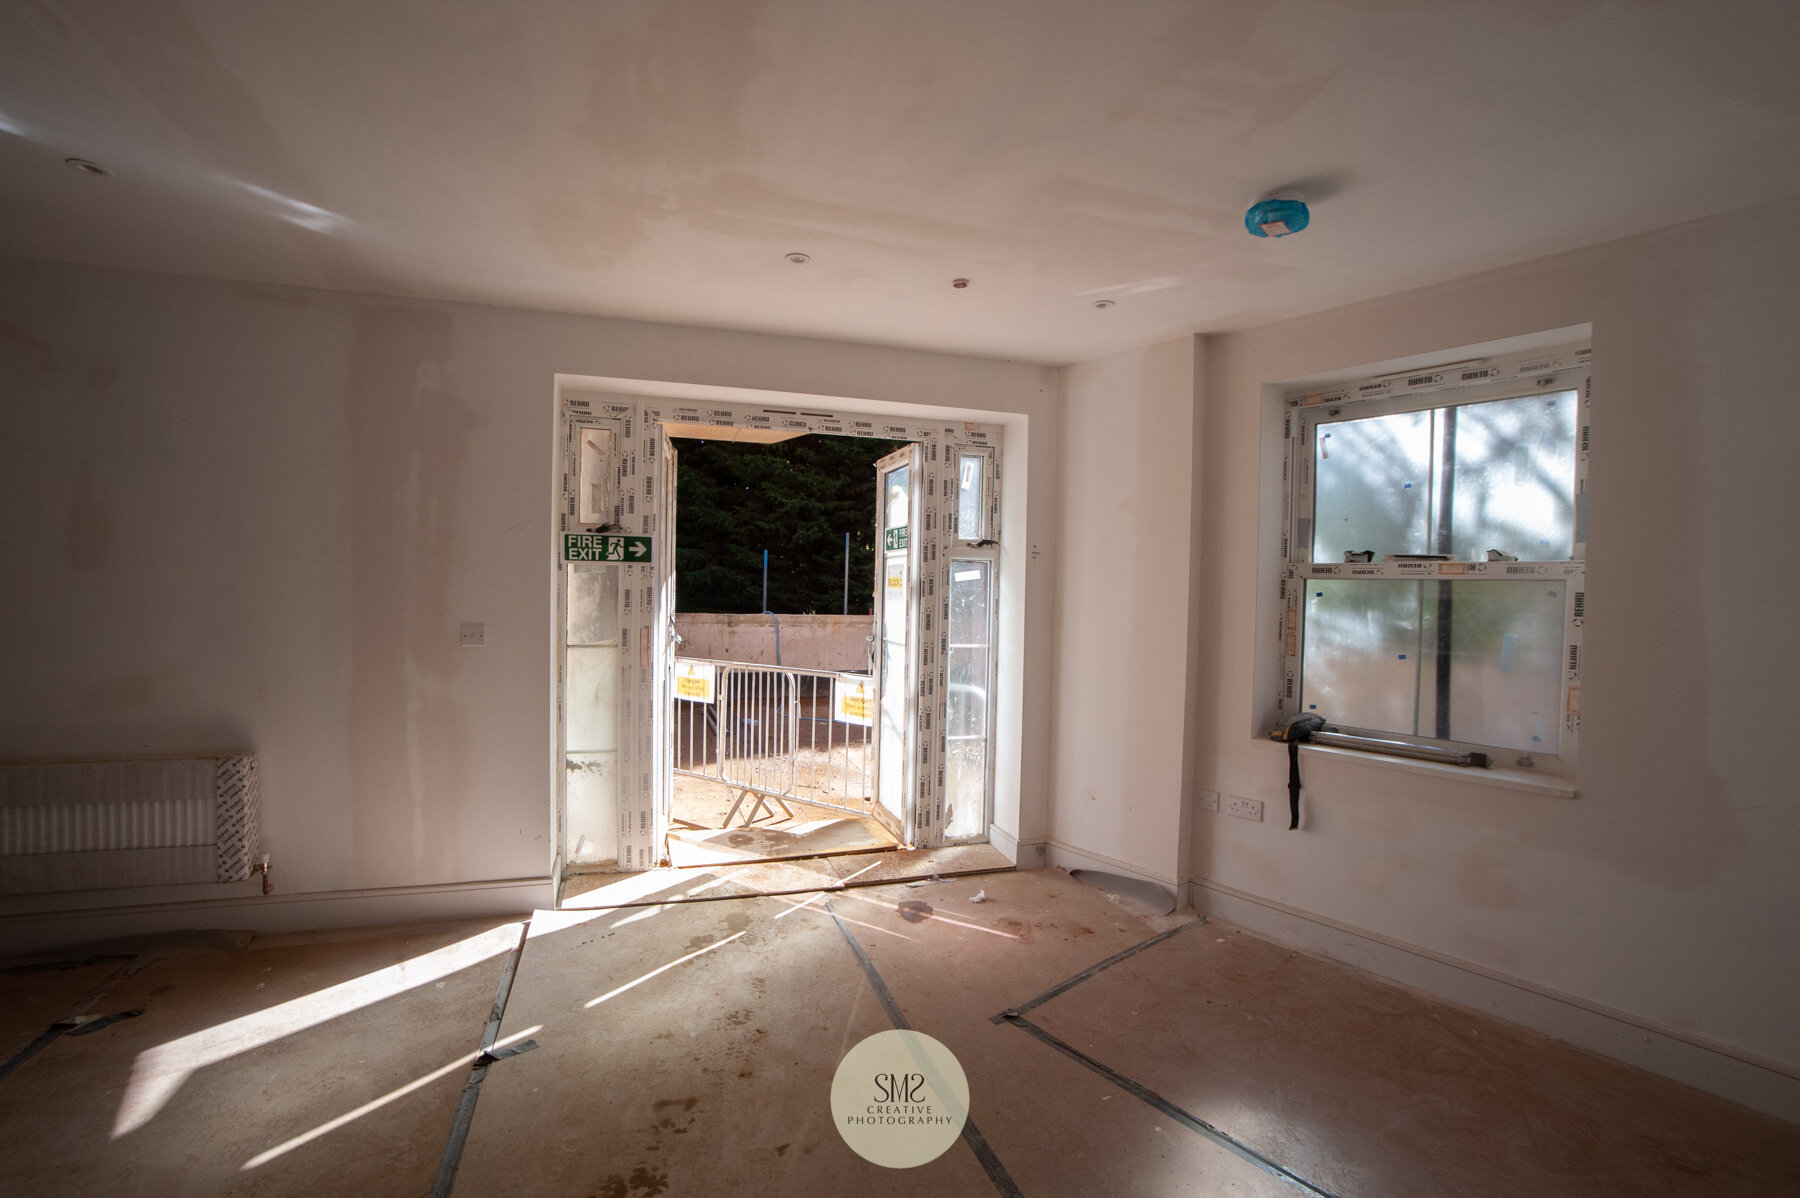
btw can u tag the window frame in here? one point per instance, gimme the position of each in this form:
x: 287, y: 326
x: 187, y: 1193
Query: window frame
x: 1456, y: 384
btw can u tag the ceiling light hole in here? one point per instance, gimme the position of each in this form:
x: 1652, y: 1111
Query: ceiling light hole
x: 799, y: 259
x: 1105, y: 303
x: 85, y: 166
x: 959, y: 284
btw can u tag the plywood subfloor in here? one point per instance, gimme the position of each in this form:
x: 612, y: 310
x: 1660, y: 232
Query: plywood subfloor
x: 1370, y: 1088
x: 343, y: 1056
x: 687, y: 1047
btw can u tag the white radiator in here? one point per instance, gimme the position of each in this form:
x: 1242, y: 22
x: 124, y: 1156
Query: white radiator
x: 93, y: 825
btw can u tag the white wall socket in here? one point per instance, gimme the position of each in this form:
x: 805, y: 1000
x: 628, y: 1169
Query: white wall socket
x: 1244, y: 808
x: 1209, y: 800
x: 474, y: 634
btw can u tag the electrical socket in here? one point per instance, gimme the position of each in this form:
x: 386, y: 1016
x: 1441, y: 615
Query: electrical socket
x: 1245, y: 808
x: 1209, y: 800
x: 473, y: 634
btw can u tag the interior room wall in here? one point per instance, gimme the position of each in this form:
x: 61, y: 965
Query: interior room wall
x: 1665, y: 892
x: 1122, y: 645
x: 253, y: 517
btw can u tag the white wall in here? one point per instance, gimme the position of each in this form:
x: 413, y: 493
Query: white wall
x: 1667, y: 891
x: 1123, y: 644
x: 251, y: 517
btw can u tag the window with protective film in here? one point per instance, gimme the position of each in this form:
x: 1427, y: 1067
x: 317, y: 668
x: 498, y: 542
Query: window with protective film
x: 1434, y: 588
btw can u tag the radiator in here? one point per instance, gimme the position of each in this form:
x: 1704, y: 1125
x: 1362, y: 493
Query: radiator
x: 92, y: 825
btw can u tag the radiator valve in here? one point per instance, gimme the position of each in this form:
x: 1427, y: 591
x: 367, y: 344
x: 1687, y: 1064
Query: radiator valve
x: 262, y: 867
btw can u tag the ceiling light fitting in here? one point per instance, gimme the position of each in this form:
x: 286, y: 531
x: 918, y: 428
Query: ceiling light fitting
x: 86, y: 167
x: 1277, y: 216
x: 1104, y: 303
x: 799, y: 259
x: 959, y: 284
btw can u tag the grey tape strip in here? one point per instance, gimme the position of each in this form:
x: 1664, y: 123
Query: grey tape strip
x: 451, y: 1161
x: 73, y: 1020
x: 895, y: 1015
x: 1152, y: 1098
x: 1090, y: 971
x: 38, y: 1045
x: 984, y: 1152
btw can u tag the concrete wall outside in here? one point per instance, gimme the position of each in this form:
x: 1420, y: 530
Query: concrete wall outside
x: 810, y: 641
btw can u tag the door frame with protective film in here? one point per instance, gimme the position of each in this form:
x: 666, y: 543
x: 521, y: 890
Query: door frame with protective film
x: 642, y: 473
x: 899, y: 508
x: 970, y: 641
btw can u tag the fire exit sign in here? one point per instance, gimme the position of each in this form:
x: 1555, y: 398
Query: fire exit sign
x: 606, y: 547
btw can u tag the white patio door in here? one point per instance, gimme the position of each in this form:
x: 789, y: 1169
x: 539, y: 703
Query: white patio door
x: 663, y: 640
x: 897, y: 602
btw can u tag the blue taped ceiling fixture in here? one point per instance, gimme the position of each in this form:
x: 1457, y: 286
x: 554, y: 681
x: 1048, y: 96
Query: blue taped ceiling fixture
x: 1277, y: 216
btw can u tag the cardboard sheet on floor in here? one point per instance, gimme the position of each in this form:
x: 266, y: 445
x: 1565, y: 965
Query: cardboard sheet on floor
x: 1365, y: 1087
x: 316, y: 1064
x: 686, y: 1049
x: 951, y: 964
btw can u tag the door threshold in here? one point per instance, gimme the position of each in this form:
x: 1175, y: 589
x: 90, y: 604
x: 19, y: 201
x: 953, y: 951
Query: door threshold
x: 809, y: 875
x: 818, y: 856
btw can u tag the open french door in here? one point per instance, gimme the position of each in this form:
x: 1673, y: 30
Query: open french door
x: 664, y: 640
x: 899, y: 512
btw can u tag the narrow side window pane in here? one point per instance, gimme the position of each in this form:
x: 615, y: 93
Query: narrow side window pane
x: 971, y: 484
x: 897, y: 508
x: 597, y: 477
x: 966, y: 706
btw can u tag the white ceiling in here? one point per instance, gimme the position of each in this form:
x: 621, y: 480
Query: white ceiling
x: 658, y: 160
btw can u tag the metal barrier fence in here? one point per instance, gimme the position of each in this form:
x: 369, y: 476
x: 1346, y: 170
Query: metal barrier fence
x: 775, y: 732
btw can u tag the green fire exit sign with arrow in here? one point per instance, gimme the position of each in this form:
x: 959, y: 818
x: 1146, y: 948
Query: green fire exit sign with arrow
x: 606, y: 547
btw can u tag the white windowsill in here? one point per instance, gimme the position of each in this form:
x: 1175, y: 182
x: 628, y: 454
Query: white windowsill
x: 1509, y: 779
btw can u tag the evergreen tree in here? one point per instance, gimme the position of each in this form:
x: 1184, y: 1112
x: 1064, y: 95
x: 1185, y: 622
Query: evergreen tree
x: 796, y: 499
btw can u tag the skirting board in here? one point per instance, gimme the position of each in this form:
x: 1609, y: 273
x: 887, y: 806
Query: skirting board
x: 280, y: 912
x: 1024, y: 854
x: 1743, y: 1077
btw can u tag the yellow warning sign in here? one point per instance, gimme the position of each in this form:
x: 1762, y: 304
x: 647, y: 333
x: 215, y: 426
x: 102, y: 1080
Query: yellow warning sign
x: 853, y: 700
x: 695, y: 680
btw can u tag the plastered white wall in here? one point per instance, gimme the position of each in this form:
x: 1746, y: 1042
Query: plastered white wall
x: 1122, y: 612
x: 1667, y: 889
x: 247, y: 516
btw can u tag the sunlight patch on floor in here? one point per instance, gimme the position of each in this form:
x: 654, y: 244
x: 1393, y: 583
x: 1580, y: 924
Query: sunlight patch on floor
x: 661, y: 969
x: 159, y: 1072
x: 467, y: 1060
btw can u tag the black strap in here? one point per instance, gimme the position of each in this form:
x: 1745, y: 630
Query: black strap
x: 1293, y: 783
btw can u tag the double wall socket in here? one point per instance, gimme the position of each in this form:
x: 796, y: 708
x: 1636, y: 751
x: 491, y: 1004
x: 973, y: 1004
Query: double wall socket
x: 1244, y: 808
